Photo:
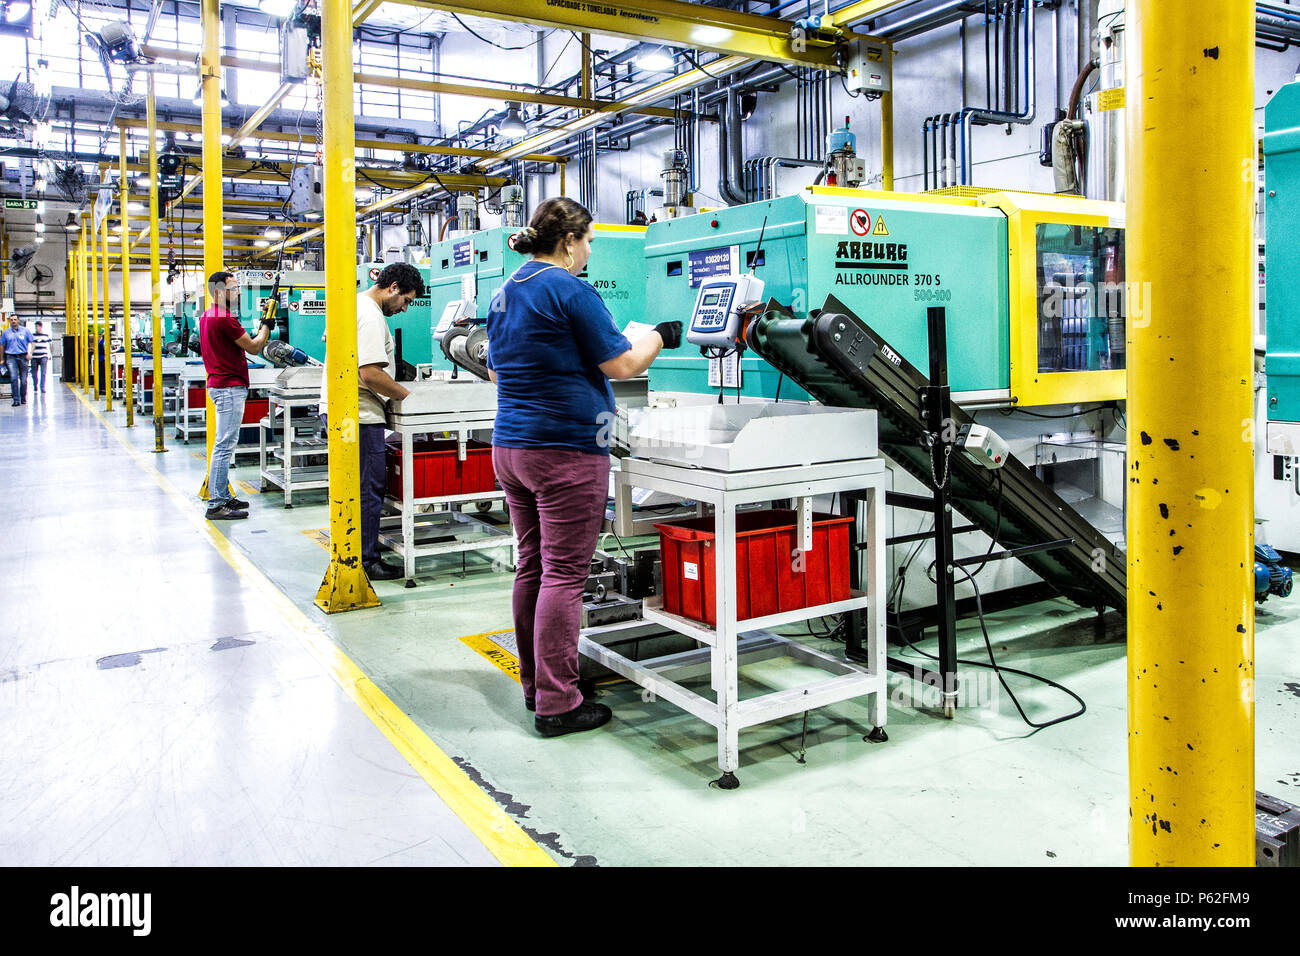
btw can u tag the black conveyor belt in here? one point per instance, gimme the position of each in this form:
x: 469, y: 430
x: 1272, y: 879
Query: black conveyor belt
x: 839, y: 360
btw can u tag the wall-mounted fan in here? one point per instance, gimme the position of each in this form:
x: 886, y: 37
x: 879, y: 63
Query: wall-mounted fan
x: 39, y: 274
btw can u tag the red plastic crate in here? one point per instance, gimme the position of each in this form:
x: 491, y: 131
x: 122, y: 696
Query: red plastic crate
x: 198, y: 397
x: 254, y: 411
x: 766, y: 579
x: 438, y: 470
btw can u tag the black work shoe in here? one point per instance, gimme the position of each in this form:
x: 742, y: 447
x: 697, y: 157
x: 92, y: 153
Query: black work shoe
x: 586, y: 716
x: 236, y: 503
x: 587, y: 688
x: 379, y: 571
x: 224, y: 513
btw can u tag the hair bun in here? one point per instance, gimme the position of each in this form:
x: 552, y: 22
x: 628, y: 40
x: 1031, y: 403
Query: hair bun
x: 530, y: 232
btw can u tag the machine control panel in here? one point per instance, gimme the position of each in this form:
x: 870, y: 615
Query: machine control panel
x: 716, y: 320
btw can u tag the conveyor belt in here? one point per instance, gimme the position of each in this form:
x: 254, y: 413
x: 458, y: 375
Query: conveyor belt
x: 839, y: 360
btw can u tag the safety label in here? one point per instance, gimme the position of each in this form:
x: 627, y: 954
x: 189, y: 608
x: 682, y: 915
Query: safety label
x: 725, y: 372
x: 374, y: 274
x: 832, y: 220
x: 707, y: 263
x: 880, y: 229
x: 462, y: 252
x: 1111, y: 99
x: 860, y: 222
x: 313, y: 306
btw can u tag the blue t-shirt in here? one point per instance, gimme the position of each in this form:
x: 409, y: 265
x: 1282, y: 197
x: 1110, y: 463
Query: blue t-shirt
x: 548, y: 332
x: 16, y: 340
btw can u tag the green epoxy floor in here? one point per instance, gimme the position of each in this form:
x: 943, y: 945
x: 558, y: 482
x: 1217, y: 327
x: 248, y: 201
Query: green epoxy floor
x: 979, y: 789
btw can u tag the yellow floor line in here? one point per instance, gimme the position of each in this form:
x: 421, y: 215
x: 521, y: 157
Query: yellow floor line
x: 506, y: 662
x: 498, y: 832
x: 248, y: 487
x: 320, y: 535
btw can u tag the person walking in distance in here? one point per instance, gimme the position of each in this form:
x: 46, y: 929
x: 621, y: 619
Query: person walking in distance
x: 17, y: 347
x: 40, y: 357
x: 224, y: 344
x: 396, y: 287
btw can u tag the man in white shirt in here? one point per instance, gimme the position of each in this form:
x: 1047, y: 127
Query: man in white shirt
x: 396, y: 288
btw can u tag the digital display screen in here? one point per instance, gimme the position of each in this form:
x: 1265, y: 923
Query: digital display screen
x: 711, y: 299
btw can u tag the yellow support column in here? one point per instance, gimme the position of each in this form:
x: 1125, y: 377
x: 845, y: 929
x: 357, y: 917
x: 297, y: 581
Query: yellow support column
x: 213, y: 237
x: 83, y: 368
x: 345, y: 586
x: 108, y: 319
x: 1191, y: 78
x: 93, y: 357
x: 128, y: 391
x: 155, y: 276
x: 887, y: 127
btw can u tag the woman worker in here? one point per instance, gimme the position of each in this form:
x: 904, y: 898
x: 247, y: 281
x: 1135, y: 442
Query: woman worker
x: 552, y: 349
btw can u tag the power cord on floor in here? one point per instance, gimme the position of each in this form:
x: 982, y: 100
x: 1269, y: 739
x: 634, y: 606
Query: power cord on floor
x: 999, y: 669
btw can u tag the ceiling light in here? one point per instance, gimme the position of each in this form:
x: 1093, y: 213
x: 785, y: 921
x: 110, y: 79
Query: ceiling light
x: 224, y: 100
x: 227, y: 227
x: 39, y: 238
x: 40, y: 226
x: 657, y: 60
x: 273, y: 233
x: 135, y: 206
x: 364, y: 195
x: 277, y: 8
x: 513, y: 126
x: 706, y: 34
x: 261, y: 243
x: 72, y: 225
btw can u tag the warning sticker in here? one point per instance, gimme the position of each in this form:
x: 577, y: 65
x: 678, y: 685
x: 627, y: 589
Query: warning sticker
x: 880, y: 229
x: 832, y: 220
x: 860, y: 222
x: 1111, y: 99
x: 313, y: 306
x: 374, y: 274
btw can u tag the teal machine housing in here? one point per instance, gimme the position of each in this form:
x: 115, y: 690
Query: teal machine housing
x: 887, y: 258
x: 417, y: 345
x: 302, y: 301
x: 616, y: 271
x: 1282, y: 254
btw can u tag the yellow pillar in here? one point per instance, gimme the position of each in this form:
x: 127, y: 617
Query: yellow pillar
x: 213, y: 237
x: 128, y: 393
x: 1191, y: 191
x: 94, y: 309
x: 108, y: 319
x: 345, y: 586
x: 155, y: 277
x: 83, y: 367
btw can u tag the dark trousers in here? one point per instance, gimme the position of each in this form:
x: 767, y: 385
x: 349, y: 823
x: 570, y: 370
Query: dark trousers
x: 17, y: 377
x: 557, y: 502
x: 38, y: 373
x: 373, y: 484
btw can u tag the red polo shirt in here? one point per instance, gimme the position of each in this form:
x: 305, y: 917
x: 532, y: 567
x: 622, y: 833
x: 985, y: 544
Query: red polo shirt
x: 224, y: 361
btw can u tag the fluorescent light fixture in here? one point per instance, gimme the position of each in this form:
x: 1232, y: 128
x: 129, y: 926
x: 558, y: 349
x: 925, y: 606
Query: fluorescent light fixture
x: 135, y: 206
x: 72, y: 225
x: 40, y: 207
x: 40, y: 226
x: 273, y: 233
x: 39, y: 238
x: 261, y: 243
x: 657, y: 60
x: 513, y: 126
x: 227, y: 227
x: 277, y: 8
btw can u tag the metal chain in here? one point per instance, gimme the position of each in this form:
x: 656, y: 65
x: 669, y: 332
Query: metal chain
x: 947, y: 462
x: 315, y: 66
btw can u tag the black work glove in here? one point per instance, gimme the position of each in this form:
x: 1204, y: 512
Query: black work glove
x: 268, y: 322
x: 671, y: 333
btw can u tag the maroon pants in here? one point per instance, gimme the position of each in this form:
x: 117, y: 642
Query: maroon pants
x: 557, y: 502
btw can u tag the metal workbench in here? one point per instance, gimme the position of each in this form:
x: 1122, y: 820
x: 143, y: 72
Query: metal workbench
x: 280, y: 456
x: 730, y: 456
x: 457, y: 407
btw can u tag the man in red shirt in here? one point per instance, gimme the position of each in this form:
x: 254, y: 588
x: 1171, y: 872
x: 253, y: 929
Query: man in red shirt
x: 224, y: 343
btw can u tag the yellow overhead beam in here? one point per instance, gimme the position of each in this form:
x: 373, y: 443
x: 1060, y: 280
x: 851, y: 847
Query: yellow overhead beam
x: 499, y: 93
x: 659, y: 91
x: 259, y: 115
x: 253, y: 170
x: 692, y: 25
x: 362, y: 9
x: 862, y: 10
x: 393, y: 145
